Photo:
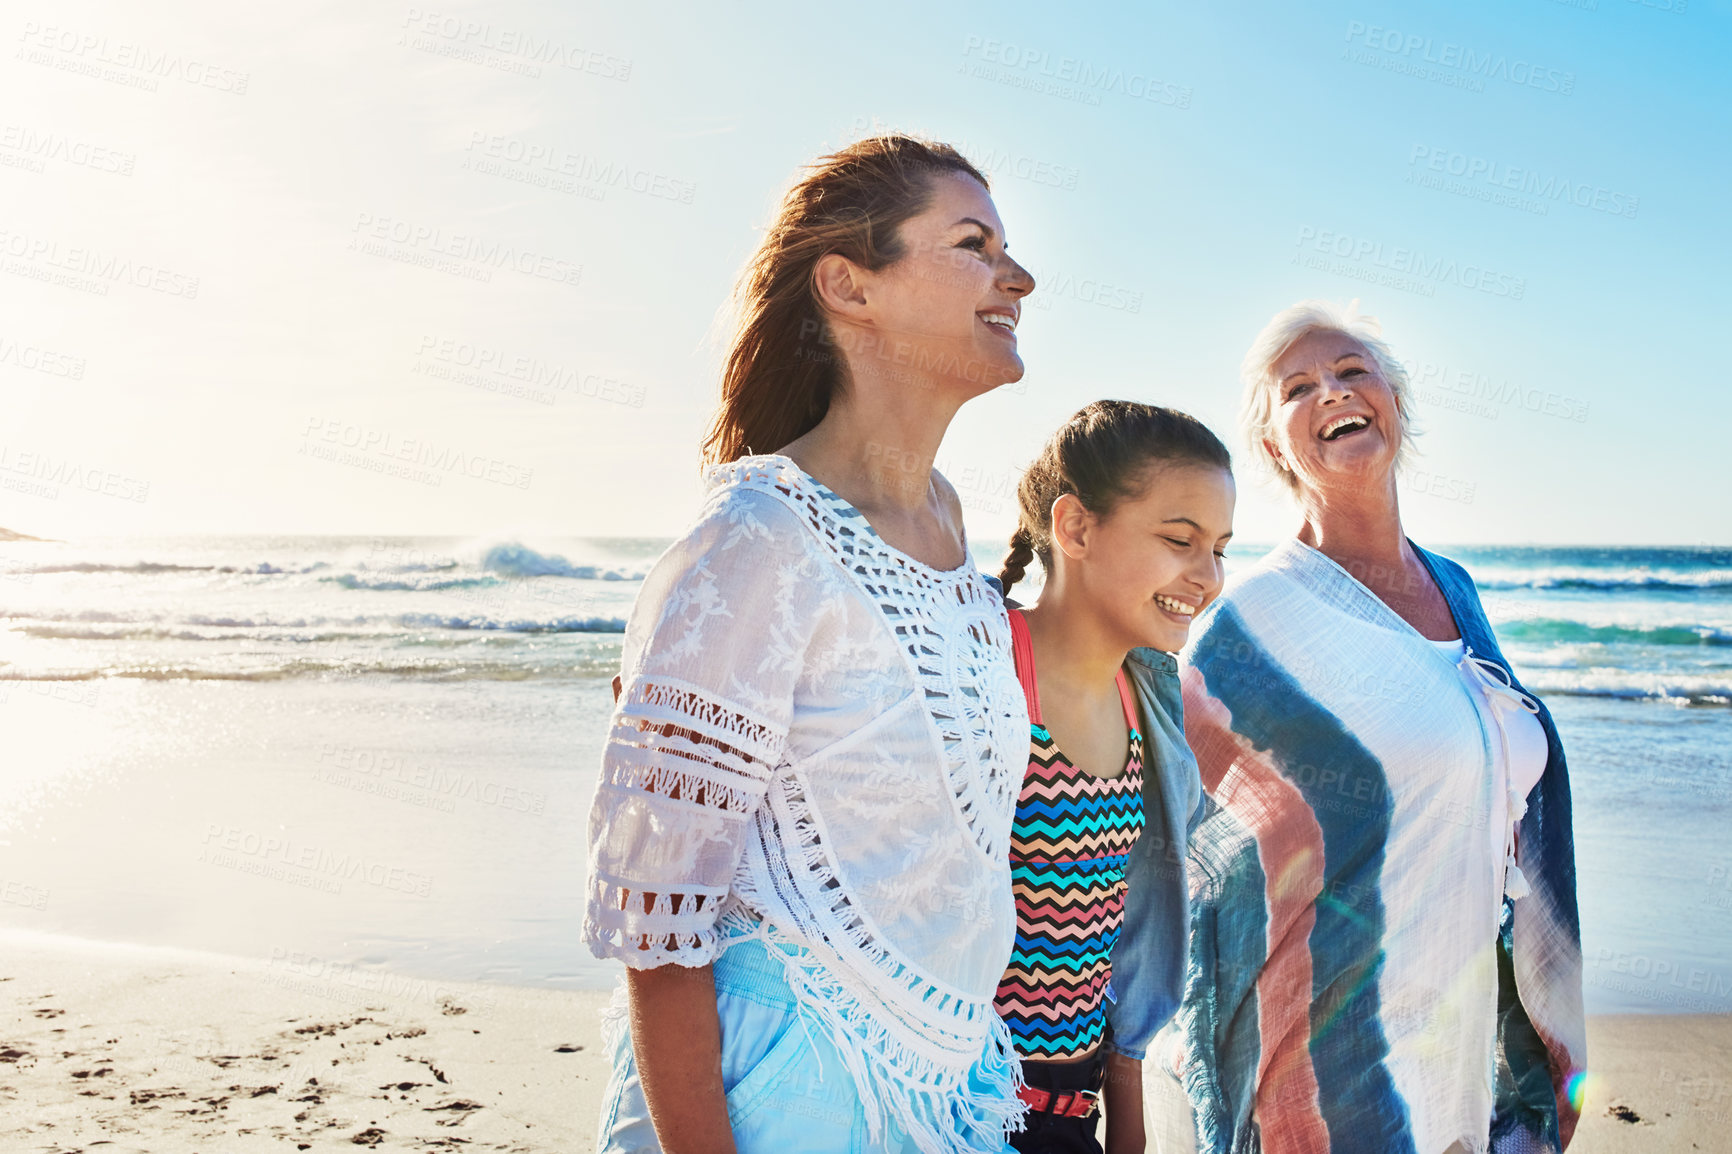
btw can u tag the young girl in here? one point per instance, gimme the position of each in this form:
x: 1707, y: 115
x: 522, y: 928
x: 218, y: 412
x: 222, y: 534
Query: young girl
x: 1128, y: 508
x: 799, y: 844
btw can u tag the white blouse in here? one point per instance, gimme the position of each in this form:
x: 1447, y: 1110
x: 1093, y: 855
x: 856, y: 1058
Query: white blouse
x: 1516, y: 744
x: 819, y: 741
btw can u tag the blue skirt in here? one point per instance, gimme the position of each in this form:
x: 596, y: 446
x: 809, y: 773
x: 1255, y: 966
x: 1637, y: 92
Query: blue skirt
x: 787, y: 1087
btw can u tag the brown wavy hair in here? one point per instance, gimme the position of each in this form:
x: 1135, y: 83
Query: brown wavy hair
x: 782, y: 370
x: 1102, y: 454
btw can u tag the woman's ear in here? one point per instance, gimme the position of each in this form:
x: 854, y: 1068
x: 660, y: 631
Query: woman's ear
x: 840, y: 285
x: 1072, y: 526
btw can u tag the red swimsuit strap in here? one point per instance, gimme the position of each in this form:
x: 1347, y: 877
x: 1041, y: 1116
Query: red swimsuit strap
x: 1022, y: 650
x: 1128, y: 701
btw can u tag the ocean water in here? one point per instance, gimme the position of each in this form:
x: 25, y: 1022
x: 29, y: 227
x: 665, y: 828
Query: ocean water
x: 351, y: 756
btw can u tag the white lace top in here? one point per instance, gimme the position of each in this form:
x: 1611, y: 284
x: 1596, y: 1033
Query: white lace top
x: 819, y: 740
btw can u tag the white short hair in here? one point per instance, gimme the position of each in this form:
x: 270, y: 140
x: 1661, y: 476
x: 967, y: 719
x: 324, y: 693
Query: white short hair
x: 1280, y: 334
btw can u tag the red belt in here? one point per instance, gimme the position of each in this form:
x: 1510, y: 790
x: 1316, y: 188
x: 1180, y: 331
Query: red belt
x: 1064, y: 1103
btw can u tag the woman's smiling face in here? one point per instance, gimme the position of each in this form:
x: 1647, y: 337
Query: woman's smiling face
x: 949, y: 306
x: 1336, y: 418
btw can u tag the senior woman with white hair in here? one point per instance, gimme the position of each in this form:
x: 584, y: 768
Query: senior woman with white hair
x: 1385, y: 949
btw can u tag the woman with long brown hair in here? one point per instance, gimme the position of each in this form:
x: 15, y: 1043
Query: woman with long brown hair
x: 799, y: 843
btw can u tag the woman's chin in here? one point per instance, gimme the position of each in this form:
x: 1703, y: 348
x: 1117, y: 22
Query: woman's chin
x: 998, y: 366
x: 1363, y: 453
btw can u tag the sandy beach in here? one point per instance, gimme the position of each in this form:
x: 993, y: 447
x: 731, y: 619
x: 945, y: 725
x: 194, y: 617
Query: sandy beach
x: 122, y: 1049
x: 1659, y: 1082
x: 126, y: 1049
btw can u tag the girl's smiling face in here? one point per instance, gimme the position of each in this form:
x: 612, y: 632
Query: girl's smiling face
x: 1156, y: 559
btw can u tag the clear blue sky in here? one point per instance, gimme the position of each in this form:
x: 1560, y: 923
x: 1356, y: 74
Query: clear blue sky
x: 334, y: 176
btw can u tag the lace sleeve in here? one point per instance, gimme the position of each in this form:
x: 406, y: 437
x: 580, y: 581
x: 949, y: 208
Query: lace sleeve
x: 714, y: 645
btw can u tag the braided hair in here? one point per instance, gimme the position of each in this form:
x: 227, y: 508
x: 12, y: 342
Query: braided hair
x: 1102, y: 455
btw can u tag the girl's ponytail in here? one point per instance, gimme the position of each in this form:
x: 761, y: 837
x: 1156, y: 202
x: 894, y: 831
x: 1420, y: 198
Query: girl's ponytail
x: 1017, y: 560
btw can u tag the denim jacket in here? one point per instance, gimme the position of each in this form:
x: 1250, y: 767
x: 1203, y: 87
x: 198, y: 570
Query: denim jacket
x: 1148, y: 961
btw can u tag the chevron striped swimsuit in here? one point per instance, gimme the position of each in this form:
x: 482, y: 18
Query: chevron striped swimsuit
x: 1072, y: 835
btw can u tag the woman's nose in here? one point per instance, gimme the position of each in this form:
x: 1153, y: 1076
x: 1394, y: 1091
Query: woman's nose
x: 1016, y: 280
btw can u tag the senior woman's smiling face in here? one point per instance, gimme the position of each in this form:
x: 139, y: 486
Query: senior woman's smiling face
x: 1335, y: 416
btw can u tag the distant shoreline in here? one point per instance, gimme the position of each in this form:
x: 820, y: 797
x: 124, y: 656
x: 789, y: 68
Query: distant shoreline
x: 9, y: 535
